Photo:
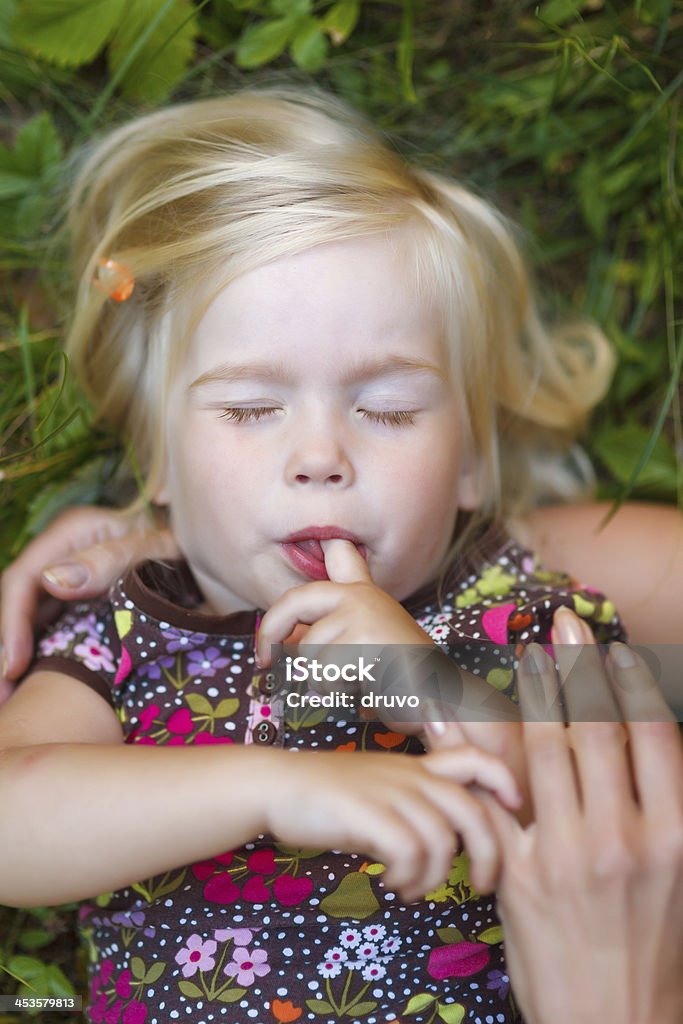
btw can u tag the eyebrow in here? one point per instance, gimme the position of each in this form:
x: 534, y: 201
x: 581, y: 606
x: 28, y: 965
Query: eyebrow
x: 359, y: 371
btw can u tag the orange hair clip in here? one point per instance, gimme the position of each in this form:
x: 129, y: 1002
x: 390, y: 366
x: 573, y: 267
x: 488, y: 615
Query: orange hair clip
x: 114, y: 279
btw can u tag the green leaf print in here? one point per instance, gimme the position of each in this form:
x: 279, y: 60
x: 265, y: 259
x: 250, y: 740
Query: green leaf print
x: 199, y: 704
x: 419, y: 1002
x: 452, y: 1013
x: 231, y: 995
x: 360, y: 1009
x: 154, y: 973
x: 492, y: 936
x: 319, y: 1005
x: 137, y: 966
x: 227, y: 707
x: 189, y: 989
x: 450, y: 935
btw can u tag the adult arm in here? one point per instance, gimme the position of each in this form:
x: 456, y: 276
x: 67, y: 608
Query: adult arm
x: 636, y: 559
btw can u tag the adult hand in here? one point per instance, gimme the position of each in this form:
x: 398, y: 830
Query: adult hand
x: 78, y: 556
x: 591, y: 894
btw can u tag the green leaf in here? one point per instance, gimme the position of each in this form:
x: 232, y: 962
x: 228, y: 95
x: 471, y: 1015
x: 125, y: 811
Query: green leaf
x: 419, y: 1002
x: 319, y: 1005
x: 137, y: 966
x: 35, y: 938
x: 341, y: 19
x: 190, y: 989
x: 231, y: 995
x: 451, y: 1013
x: 309, y: 46
x: 227, y: 707
x: 199, y: 704
x: 620, y: 448
x: 37, y: 147
x: 162, y: 60
x: 264, y: 42
x: 450, y: 935
x: 67, y: 32
x: 492, y: 936
x: 14, y: 185
x: 154, y: 973
x: 58, y: 983
x: 558, y: 11
x: 292, y: 8
x: 361, y: 1009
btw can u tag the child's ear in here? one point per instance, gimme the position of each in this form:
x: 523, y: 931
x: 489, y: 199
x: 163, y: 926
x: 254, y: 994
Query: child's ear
x: 469, y: 484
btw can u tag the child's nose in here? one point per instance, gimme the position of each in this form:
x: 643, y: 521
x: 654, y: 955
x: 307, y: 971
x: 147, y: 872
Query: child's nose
x: 319, y: 457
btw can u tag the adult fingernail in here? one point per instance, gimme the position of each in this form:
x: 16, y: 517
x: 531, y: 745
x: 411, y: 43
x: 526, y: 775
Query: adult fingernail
x: 622, y: 655
x: 567, y: 628
x: 3, y: 664
x: 534, y: 661
x: 67, y: 574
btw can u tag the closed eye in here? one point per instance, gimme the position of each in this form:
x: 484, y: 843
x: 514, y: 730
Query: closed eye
x: 246, y: 413
x: 392, y: 417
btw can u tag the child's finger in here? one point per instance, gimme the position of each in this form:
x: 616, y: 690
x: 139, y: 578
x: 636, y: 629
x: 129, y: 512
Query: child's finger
x: 344, y: 562
x: 471, y: 766
x: 305, y: 604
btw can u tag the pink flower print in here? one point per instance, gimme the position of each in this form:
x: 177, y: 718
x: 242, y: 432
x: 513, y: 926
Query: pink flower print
x: 148, y: 715
x: 97, y: 1009
x: 240, y: 936
x: 367, y: 951
x: 196, y: 955
x: 336, y: 955
x: 95, y: 654
x: 182, y: 640
x: 59, y: 641
x: 495, y: 622
x: 374, y: 932
x: 439, y: 632
x: 373, y: 972
x: 180, y: 722
x: 205, y: 663
x: 122, y: 985
x: 391, y: 945
x: 134, y: 1013
x: 350, y: 938
x: 124, y: 668
x: 113, y: 1013
x: 247, y: 966
x: 458, y: 960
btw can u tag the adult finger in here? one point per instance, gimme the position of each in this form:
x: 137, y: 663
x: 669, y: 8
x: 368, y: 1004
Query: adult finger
x: 470, y: 766
x: 587, y: 694
x: 551, y: 780
x: 655, y: 742
x: 344, y: 562
x: 92, y: 570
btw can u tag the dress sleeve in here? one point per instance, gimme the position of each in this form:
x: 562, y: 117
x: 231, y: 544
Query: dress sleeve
x: 82, y: 643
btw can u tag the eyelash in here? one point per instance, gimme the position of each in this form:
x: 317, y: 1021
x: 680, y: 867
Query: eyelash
x: 394, y: 418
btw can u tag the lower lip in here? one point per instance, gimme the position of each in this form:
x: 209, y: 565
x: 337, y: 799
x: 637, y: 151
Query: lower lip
x: 308, y: 565
x: 304, y: 562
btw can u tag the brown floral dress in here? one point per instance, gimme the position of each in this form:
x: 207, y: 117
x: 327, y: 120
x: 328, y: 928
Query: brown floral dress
x: 268, y: 933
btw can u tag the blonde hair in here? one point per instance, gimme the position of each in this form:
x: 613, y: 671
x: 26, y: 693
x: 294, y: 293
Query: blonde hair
x: 192, y: 196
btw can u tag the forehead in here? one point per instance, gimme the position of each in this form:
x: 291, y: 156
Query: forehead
x: 350, y: 298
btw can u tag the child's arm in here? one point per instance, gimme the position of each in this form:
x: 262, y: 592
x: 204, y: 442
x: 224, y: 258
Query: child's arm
x: 85, y: 813
x: 637, y: 559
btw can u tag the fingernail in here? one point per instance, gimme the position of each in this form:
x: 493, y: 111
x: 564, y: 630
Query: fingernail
x: 3, y: 664
x: 436, y: 729
x: 67, y: 574
x: 534, y: 661
x: 622, y: 655
x: 567, y: 628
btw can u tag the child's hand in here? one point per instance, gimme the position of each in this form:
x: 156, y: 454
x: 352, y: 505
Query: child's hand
x: 346, y: 609
x: 401, y: 810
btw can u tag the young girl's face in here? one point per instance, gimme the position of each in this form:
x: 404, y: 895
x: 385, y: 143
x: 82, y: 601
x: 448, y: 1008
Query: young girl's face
x: 316, y: 395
